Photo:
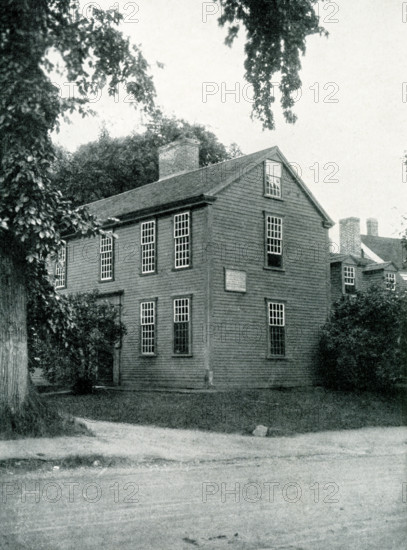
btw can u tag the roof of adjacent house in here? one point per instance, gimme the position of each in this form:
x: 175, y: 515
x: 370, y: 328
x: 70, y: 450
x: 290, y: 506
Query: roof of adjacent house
x: 377, y: 267
x: 339, y: 258
x: 388, y: 249
x: 203, y: 182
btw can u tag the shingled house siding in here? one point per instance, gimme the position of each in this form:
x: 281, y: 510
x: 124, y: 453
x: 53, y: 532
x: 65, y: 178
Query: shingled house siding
x: 238, y: 320
x: 83, y: 275
x: 336, y: 282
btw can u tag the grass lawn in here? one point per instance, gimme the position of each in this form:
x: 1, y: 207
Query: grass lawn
x: 285, y: 411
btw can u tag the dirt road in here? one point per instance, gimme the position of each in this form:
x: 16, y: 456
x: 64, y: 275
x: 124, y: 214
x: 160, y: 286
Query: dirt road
x: 302, y: 499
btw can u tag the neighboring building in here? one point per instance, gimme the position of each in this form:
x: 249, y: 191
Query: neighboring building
x: 366, y: 260
x: 221, y: 273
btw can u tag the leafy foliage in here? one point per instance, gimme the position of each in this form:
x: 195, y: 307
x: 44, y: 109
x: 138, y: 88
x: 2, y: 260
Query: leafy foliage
x: 113, y: 165
x: 276, y: 33
x: 363, y: 345
x: 77, y: 354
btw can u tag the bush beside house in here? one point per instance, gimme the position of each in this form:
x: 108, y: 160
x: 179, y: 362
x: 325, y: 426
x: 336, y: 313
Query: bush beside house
x: 363, y: 345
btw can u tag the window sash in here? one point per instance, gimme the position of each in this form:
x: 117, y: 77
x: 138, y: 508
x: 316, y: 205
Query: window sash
x: 182, y: 239
x: 276, y: 321
x: 148, y: 247
x: 349, y: 276
x: 274, y: 235
x: 182, y: 326
x: 147, y: 322
x: 390, y: 280
x: 60, y: 267
x: 272, y: 178
x: 106, y: 257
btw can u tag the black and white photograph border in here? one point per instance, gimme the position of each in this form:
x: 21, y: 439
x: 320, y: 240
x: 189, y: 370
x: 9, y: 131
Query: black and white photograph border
x: 203, y: 274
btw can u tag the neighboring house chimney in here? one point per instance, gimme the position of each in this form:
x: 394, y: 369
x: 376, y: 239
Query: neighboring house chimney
x: 349, y: 236
x: 179, y: 156
x: 372, y: 227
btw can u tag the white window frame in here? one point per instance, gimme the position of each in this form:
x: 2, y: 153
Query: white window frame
x: 148, y: 327
x: 349, y: 276
x: 274, y: 238
x: 60, y: 267
x: 106, y: 255
x: 148, y: 246
x: 182, y: 314
x: 272, y: 178
x: 182, y: 240
x: 276, y: 318
x: 390, y: 281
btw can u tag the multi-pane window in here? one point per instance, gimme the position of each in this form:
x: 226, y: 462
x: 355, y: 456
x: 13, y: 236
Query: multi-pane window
x: 148, y: 247
x: 390, y: 280
x: 349, y: 279
x: 272, y: 178
x: 182, y: 239
x: 182, y: 326
x: 60, y: 268
x: 106, y: 257
x: 274, y: 241
x: 276, y: 321
x: 147, y: 321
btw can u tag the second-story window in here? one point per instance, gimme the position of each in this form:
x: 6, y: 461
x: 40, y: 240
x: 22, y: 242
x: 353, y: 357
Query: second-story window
x: 349, y: 279
x: 106, y: 257
x: 390, y: 281
x: 272, y: 179
x: 148, y: 247
x: 274, y: 241
x: 60, y: 267
x: 182, y: 240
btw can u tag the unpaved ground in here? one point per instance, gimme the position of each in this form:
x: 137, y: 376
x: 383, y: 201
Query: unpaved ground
x: 313, y: 491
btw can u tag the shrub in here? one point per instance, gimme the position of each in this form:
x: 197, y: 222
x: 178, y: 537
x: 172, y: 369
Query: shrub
x: 363, y: 345
x: 77, y: 354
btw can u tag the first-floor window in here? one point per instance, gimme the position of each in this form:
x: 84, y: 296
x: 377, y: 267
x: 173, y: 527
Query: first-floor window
x: 147, y: 321
x: 60, y: 267
x: 276, y: 321
x: 106, y: 257
x: 182, y: 326
x: 274, y: 241
x: 349, y: 279
x: 390, y: 280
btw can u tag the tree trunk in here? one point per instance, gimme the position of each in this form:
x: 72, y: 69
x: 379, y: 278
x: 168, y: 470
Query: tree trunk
x: 14, y: 384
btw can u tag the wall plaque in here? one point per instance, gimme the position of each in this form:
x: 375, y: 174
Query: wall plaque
x: 235, y: 281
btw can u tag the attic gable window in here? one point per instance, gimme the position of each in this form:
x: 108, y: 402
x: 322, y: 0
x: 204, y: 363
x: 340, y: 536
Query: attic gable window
x: 390, y: 281
x: 60, y: 267
x: 349, y: 279
x: 148, y: 247
x: 276, y: 322
x: 106, y: 257
x: 182, y: 240
x: 274, y: 241
x: 272, y: 178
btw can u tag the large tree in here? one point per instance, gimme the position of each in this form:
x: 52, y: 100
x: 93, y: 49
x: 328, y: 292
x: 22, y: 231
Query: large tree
x: 112, y: 165
x: 37, y: 38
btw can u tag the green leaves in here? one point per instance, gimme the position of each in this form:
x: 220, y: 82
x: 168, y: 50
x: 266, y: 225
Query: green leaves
x: 276, y: 36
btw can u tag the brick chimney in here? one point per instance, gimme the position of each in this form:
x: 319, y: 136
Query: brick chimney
x: 349, y: 236
x: 177, y: 157
x: 372, y: 226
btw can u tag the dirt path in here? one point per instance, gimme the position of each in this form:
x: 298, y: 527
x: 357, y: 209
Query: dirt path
x: 340, y: 490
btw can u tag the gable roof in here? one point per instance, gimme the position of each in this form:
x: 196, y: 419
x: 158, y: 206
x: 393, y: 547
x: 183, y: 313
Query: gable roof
x: 202, y: 183
x: 388, y: 249
x: 377, y: 267
x: 340, y: 258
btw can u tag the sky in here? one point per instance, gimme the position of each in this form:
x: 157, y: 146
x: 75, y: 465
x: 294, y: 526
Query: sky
x: 349, y: 141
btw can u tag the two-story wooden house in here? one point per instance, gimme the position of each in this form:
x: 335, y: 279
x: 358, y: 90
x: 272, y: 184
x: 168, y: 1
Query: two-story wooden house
x: 221, y: 273
x: 366, y: 260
